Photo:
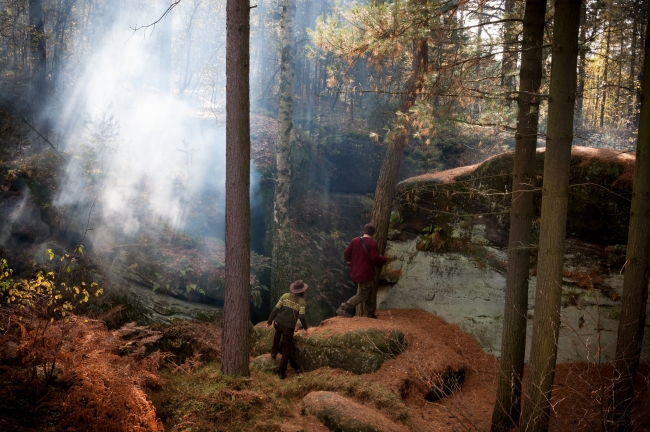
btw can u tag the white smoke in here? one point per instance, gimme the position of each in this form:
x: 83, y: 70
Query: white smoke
x: 134, y: 146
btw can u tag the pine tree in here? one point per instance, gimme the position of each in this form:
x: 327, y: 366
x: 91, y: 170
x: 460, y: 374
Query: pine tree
x: 507, y: 407
x: 234, y: 355
x: 555, y: 199
x: 385, y: 190
x: 637, y: 270
x: 38, y: 49
x: 397, y: 142
x: 281, y: 265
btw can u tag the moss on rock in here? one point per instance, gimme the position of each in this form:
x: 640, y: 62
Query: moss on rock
x: 443, y: 202
x: 265, y: 363
x: 359, y: 352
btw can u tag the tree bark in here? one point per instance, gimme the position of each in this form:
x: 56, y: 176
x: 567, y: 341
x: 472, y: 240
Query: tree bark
x: 234, y: 355
x: 632, y: 76
x: 644, y: 41
x: 582, y: 66
x: 282, y: 268
x: 605, y: 71
x: 617, y: 109
x: 60, y: 28
x: 38, y: 52
x: 513, y: 344
x: 509, y: 61
x: 555, y: 197
x: 637, y: 271
x: 387, y: 181
x: 396, y: 143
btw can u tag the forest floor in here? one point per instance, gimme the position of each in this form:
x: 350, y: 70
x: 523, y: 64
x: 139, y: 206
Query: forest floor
x: 203, y: 399
x: 190, y: 394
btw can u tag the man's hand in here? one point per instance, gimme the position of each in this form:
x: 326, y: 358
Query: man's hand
x: 268, y: 326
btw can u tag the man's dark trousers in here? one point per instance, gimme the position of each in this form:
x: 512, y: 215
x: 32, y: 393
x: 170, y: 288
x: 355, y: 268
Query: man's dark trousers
x: 287, y: 342
x: 366, y: 290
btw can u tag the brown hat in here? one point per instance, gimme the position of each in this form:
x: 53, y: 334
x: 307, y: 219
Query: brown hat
x: 298, y: 286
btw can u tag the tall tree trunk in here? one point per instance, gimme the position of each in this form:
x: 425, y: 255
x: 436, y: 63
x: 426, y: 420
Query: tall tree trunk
x: 258, y: 42
x: 39, y: 60
x: 582, y: 66
x: 605, y: 70
x: 476, y: 108
x: 64, y: 10
x: 617, y: 109
x: 632, y: 76
x: 597, y: 104
x: 619, y: 60
x: 555, y: 199
x: 166, y: 51
x: 282, y: 268
x: 396, y: 143
x: 513, y: 344
x: 509, y: 61
x: 637, y: 271
x: 234, y: 352
x: 644, y: 41
x: 187, y: 76
x: 387, y: 181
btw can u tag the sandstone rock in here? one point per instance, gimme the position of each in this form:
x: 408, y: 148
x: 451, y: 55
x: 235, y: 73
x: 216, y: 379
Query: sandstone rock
x: 339, y: 413
x: 449, y: 256
x: 356, y: 351
x: 159, y: 308
x: 265, y: 363
x: 261, y: 339
x: 599, y: 204
x: 179, y: 267
x: 359, y: 352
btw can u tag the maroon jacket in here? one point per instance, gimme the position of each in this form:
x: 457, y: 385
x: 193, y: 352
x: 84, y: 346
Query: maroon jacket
x: 362, y: 264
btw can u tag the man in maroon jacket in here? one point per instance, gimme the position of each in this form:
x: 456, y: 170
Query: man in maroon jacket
x: 362, y: 254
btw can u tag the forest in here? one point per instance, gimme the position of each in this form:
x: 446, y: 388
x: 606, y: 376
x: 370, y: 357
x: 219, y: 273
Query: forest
x: 173, y: 173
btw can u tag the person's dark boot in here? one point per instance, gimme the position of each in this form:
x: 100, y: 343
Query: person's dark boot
x: 343, y: 311
x: 373, y: 316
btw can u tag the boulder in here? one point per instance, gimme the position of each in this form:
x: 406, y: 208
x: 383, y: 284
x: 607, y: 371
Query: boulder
x: 357, y: 350
x: 341, y: 414
x: 444, y: 201
x: 448, y: 250
x: 265, y: 363
x: 154, y: 307
x: 260, y: 339
x: 179, y: 266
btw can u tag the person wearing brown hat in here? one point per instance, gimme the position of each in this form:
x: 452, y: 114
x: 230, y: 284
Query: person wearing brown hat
x: 362, y: 255
x: 284, y: 317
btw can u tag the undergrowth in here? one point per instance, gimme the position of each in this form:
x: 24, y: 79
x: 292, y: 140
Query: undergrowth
x: 206, y: 400
x: 70, y: 372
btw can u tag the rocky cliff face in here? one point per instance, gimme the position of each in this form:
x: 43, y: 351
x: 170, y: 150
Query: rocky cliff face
x: 448, y: 250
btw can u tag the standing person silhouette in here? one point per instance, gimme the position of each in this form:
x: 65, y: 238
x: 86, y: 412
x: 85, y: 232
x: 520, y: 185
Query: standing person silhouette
x: 284, y: 317
x: 362, y: 255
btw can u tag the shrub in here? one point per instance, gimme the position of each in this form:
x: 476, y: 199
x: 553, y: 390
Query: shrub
x: 44, y: 344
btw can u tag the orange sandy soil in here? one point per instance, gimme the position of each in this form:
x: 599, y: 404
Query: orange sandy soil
x: 434, y: 346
